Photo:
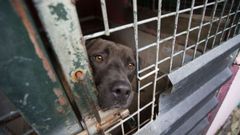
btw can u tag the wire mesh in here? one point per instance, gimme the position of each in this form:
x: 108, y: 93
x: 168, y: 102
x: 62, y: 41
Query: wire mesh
x: 218, y: 28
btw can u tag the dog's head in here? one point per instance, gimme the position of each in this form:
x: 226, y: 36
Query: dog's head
x: 113, y: 67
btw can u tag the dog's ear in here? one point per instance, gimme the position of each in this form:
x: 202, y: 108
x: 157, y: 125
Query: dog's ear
x: 90, y: 43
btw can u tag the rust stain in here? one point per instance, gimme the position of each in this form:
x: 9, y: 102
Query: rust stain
x: 32, y: 34
x: 78, y: 74
x: 61, y: 99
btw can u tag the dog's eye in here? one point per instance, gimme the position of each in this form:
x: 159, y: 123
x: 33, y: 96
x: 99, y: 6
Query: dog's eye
x: 98, y: 58
x: 131, y: 66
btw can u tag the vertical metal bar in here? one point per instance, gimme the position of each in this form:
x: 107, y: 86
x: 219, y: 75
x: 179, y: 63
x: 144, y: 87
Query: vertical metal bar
x: 235, y: 16
x: 135, y: 25
x: 174, y: 34
x: 226, y: 22
x: 157, y: 55
x: 122, y: 127
x: 105, y: 17
x: 188, y: 31
x: 236, y: 27
x: 200, y: 29
x: 220, y: 19
x: 211, y: 24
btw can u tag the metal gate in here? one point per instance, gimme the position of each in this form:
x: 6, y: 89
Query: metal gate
x: 46, y: 75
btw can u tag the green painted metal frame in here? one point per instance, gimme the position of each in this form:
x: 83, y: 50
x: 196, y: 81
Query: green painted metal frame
x: 61, y: 23
x: 27, y: 76
x: 60, y: 20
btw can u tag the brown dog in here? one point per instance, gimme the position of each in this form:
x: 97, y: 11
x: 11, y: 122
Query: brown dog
x: 113, y: 67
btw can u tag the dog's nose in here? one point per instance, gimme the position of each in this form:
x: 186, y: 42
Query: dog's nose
x: 121, y: 91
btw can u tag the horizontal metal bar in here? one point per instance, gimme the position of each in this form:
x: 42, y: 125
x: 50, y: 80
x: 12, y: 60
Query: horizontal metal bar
x: 163, y: 60
x: 148, y: 74
x: 147, y: 46
x: 145, y: 86
x: 161, y: 77
x: 146, y: 68
x: 180, y: 34
x: 188, y: 48
x: 179, y: 52
x: 101, y: 33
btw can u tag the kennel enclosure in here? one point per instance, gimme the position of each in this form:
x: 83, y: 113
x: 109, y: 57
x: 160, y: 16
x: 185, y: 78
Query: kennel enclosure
x: 46, y: 78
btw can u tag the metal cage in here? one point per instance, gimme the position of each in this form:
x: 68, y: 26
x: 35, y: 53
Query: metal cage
x: 191, y: 45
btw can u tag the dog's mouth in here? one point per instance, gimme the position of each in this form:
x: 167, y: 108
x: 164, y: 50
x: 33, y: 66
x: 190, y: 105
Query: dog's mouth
x: 115, y: 105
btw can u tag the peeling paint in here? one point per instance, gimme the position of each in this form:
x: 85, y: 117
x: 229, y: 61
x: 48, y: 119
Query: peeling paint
x: 47, y: 119
x: 59, y: 11
x: 71, y: 27
x: 32, y: 35
x: 25, y: 99
x: 61, y: 99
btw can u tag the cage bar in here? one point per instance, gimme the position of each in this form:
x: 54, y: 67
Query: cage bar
x: 127, y: 118
x: 188, y: 31
x: 122, y: 127
x: 226, y: 22
x: 135, y: 20
x: 200, y: 28
x: 235, y: 15
x: 105, y: 17
x: 157, y: 55
x: 101, y: 33
x: 179, y: 34
x: 220, y: 19
x: 210, y: 27
x: 174, y: 34
x: 235, y: 31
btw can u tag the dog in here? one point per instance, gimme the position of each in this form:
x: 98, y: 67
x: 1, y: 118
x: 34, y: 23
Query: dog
x: 114, y: 69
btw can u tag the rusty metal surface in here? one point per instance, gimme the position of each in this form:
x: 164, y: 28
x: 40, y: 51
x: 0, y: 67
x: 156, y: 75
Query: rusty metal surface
x: 27, y: 76
x: 62, y: 26
x: 59, y: 18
